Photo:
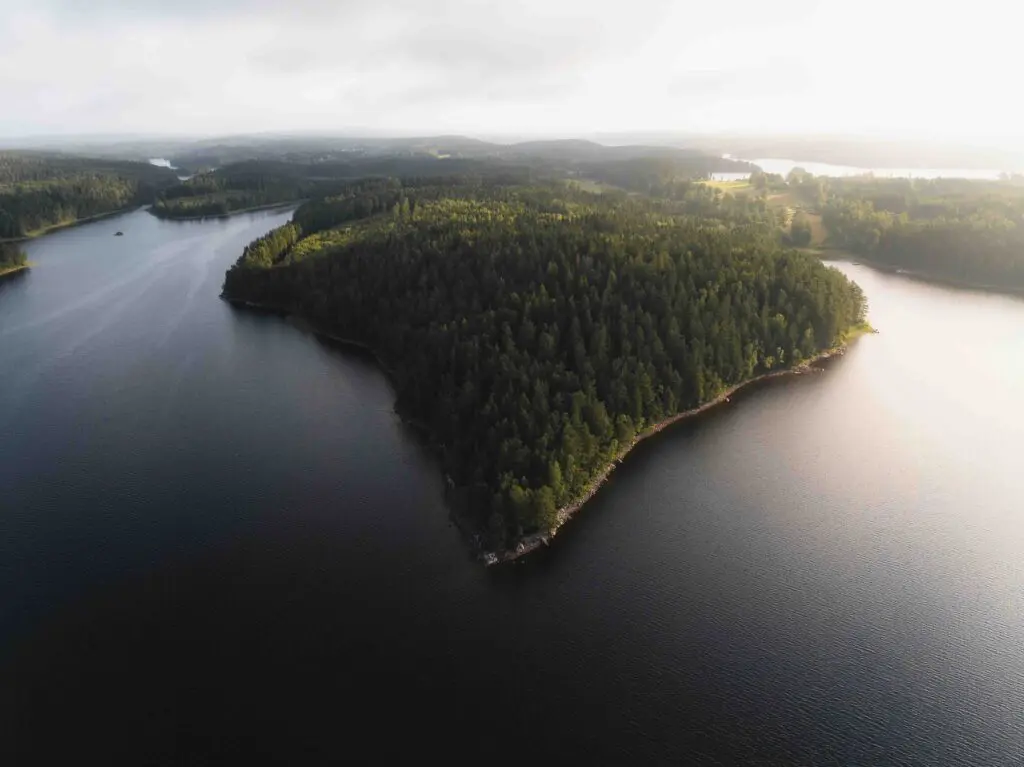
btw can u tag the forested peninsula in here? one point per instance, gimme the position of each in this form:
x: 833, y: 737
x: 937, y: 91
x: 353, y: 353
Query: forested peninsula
x: 41, y: 191
x: 534, y: 332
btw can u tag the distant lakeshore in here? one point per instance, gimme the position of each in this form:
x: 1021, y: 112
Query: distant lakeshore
x: 228, y: 214
x: 914, y: 274
x: 68, y: 224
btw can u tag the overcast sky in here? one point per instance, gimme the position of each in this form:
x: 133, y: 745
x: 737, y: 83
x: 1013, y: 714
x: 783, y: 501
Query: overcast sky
x: 942, y: 69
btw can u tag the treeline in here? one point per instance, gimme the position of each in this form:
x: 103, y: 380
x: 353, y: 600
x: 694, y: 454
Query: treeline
x: 237, y: 187
x: 257, y: 183
x: 666, y: 176
x: 535, y: 331
x: 967, y: 231
x: 39, y: 191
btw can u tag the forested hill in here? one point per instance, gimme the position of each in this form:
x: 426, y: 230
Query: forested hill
x: 534, y: 331
x: 39, y: 191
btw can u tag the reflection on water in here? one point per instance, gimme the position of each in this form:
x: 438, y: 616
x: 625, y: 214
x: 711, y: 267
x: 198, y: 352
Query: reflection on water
x: 783, y: 167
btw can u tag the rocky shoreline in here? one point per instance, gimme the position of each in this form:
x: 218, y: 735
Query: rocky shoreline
x: 9, y: 271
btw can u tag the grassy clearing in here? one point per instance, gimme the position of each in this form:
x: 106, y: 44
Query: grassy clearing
x: 738, y: 186
x: 594, y: 187
x: 794, y: 206
x: 818, y: 232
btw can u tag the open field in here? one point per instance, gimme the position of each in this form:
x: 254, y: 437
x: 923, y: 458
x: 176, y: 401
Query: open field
x: 594, y: 187
x: 739, y: 186
x: 793, y: 206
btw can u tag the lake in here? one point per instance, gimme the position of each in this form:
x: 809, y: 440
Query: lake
x: 783, y: 167
x: 218, y: 542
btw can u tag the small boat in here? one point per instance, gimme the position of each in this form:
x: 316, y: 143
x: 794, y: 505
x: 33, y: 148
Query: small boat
x: 119, y: 234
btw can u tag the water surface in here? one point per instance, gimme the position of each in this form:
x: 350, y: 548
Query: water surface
x: 784, y: 166
x: 217, y: 542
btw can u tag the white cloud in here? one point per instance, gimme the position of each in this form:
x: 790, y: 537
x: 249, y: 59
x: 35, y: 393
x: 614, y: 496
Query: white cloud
x: 558, y: 66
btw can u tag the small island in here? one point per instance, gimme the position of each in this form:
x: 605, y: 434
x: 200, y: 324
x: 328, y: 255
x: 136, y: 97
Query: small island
x: 535, y: 333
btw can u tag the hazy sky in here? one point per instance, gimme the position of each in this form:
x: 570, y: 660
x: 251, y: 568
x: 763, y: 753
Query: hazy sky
x: 942, y: 69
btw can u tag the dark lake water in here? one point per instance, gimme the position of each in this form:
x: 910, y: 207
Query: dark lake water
x: 217, y: 541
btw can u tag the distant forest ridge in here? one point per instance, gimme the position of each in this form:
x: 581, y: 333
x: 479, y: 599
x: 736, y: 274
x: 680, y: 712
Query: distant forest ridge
x: 207, y: 155
x: 43, y: 190
x: 243, y: 184
x: 857, y: 151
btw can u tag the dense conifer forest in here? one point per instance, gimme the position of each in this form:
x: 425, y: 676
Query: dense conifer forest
x: 533, y: 331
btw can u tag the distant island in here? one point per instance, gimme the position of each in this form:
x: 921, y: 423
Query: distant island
x: 535, y: 332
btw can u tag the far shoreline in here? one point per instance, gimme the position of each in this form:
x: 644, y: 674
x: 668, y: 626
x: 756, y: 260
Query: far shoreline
x: 70, y: 224
x: 36, y: 233
x: 846, y: 256
x: 256, y: 209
